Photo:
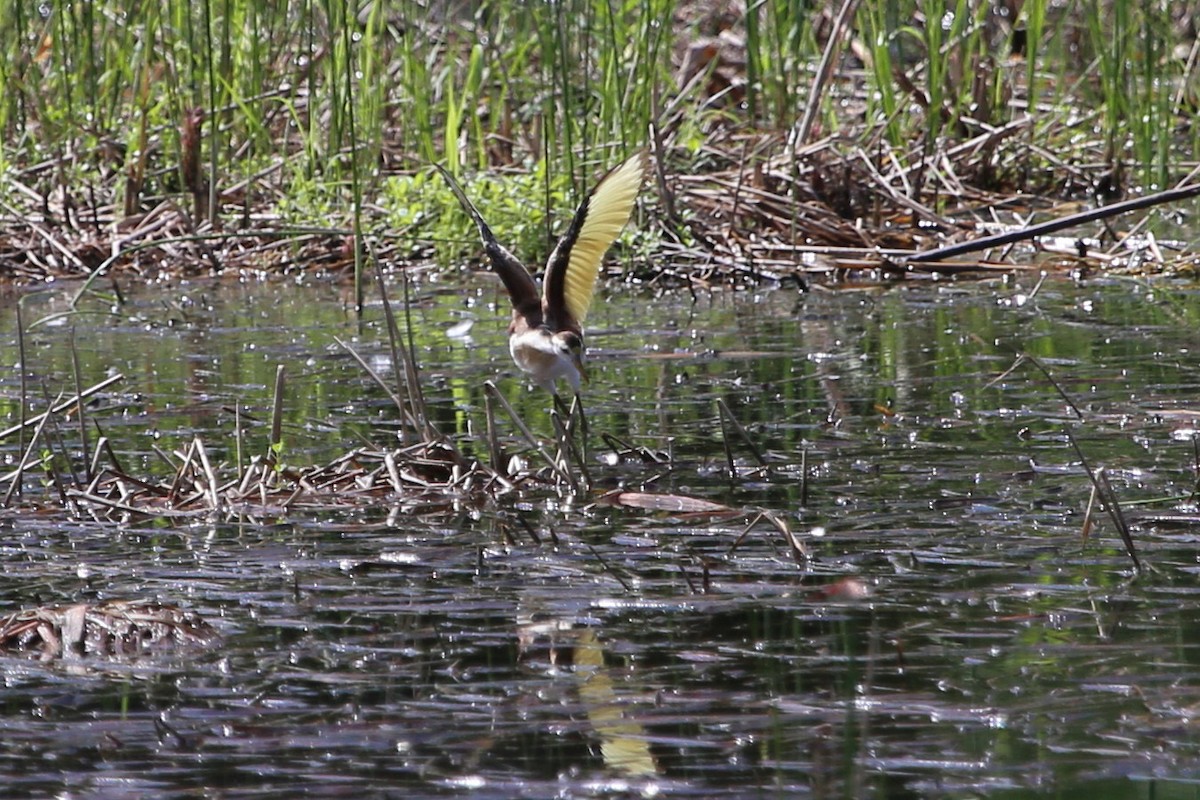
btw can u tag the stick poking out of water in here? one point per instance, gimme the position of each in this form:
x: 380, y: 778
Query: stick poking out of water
x: 555, y: 464
x: 1104, y: 489
x: 1054, y: 225
x: 726, y: 414
x: 62, y: 406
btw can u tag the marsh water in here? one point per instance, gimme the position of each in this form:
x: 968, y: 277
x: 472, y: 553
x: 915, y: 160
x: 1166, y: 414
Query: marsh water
x: 939, y: 625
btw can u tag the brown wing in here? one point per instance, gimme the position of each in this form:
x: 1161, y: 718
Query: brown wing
x: 573, y: 266
x: 522, y: 289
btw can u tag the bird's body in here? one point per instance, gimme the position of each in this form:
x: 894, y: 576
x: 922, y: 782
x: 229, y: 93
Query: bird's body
x: 546, y: 332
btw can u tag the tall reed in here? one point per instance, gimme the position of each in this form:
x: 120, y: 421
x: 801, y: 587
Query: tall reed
x: 312, y: 100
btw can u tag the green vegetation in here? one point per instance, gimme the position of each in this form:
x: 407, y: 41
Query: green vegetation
x: 263, y: 113
x: 420, y: 203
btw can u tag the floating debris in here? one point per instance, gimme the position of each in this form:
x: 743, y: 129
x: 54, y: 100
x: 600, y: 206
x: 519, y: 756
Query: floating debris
x: 113, y: 630
x: 419, y: 475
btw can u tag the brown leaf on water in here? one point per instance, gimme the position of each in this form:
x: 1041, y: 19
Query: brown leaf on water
x: 845, y: 589
x: 665, y: 502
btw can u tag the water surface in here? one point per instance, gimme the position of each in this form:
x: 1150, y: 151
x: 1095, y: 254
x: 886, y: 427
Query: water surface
x: 948, y: 633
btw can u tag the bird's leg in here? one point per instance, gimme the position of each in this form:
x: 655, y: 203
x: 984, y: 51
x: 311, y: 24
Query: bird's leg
x: 580, y: 444
x: 574, y: 433
x: 577, y: 403
x: 561, y: 406
x: 561, y: 417
x: 568, y: 413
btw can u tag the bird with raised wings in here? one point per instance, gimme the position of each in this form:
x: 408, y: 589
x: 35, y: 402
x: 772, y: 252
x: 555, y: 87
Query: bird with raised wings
x: 545, y: 336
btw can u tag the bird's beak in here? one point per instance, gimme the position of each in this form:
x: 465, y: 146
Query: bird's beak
x: 577, y: 360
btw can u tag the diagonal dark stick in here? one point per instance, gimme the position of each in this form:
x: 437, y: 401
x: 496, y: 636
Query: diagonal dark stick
x: 1061, y: 392
x: 63, y: 405
x: 1114, y: 508
x: 1104, y: 489
x: 1104, y: 212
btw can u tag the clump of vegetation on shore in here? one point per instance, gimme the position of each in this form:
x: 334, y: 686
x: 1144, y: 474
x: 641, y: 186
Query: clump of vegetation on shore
x: 793, y: 139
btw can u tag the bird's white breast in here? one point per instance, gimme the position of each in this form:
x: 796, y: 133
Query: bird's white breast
x: 536, y: 353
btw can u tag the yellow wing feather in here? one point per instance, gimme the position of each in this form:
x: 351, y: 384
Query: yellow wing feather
x: 608, y: 210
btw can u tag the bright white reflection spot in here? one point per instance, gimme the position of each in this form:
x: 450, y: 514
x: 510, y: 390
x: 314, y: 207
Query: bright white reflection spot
x: 461, y: 329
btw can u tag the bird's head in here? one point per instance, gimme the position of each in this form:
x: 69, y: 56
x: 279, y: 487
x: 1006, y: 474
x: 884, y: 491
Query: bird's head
x: 568, y: 345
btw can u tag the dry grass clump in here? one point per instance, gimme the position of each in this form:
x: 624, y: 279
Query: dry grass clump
x: 116, y: 630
